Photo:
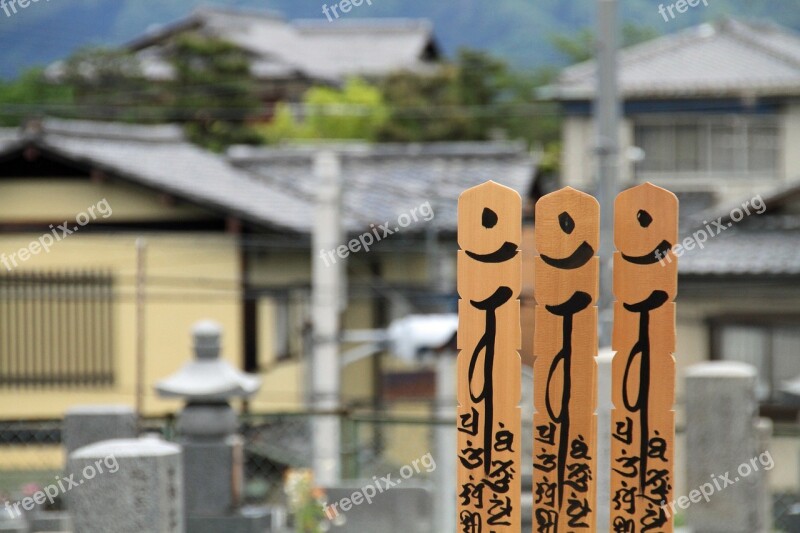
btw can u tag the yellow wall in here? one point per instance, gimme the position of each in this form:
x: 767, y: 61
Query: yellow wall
x: 190, y: 279
x: 24, y: 200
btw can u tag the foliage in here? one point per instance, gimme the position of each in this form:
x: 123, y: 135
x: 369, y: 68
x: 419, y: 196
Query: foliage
x: 108, y: 82
x: 356, y: 111
x: 213, y: 91
x: 580, y: 46
x: 634, y: 34
x: 30, y: 94
x: 424, y: 107
x: 90, y: 68
x: 477, y: 98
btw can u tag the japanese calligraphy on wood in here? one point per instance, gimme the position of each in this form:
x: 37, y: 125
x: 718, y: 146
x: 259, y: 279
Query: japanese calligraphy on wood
x: 565, y: 346
x: 643, y: 369
x: 489, y: 272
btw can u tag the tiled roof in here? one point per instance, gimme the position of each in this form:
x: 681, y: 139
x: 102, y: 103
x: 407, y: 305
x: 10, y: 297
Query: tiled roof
x: 312, y: 48
x: 381, y: 182
x: 276, y: 187
x: 745, y: 253
x: 161, y: 158
x: 758, y: 245
x: 364, y: 46
x: 728, y: 58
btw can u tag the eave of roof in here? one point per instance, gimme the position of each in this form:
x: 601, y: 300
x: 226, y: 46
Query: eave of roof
x: 384, y: 181
x: 745, y: 254
x: 159, y: 158
x: 195, y: 19
x: 751, y: 248
x: 767, y: 41
x: 312, y: 49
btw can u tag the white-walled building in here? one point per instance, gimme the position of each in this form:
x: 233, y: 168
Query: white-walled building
x: 713, y: 113
x: 715, y: 108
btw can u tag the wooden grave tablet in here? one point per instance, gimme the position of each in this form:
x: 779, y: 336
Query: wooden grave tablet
x: 565, y: 347
x: 643, y: 368
x: 489, y: 282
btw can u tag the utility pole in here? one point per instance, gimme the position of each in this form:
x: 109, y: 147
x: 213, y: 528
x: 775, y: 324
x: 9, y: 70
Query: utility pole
x: 607, y: 112
x: 326, y: 287
x: 141, y: 280
x: 607, y: 118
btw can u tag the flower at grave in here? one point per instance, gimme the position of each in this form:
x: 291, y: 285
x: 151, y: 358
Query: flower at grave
x: 305, y: 500
x: 29, y: 489
x: 297, y: 483
x: 318, y: 494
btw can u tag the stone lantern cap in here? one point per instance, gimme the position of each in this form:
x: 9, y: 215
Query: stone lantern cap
x: 208, y: 377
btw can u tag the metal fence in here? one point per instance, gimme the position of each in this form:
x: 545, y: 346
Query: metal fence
x: 372, y: 445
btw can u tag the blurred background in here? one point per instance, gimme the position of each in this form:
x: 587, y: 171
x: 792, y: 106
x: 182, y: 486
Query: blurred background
x: 242, y: 148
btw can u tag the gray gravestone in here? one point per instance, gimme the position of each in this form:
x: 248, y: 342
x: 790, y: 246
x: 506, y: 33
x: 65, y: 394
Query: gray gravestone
x: 143, y: 493
x: 87, y: 424
x: 50, y: 521
x: 13, y: 523
x: 397, y: 510
x: 722, y: 436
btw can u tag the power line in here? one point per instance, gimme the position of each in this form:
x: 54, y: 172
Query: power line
x: 189, y: 113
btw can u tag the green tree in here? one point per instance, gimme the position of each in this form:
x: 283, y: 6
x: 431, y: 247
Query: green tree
x: 213, y: 91
x: 479, y: 97
x: 31, y: 94
x: 424, y: 107
x: 580, y: 46
x: 356, y: 111
x: 108, y: 85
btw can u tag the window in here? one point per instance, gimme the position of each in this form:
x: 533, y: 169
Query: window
x: 773, y: 348
x: 56, y: 330
x: 709, y: 145
x: 284, y: 323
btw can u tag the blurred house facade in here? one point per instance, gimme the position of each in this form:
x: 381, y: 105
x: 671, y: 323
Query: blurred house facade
x: 227, y: 238
x: 289, y: 57
x: 714, y: 109
x: 713, y: 114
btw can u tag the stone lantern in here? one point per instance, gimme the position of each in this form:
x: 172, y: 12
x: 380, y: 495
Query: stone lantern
x: 207, y: 431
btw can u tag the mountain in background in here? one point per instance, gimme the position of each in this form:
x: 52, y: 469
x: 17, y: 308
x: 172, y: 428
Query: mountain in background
x: 520, y: 31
